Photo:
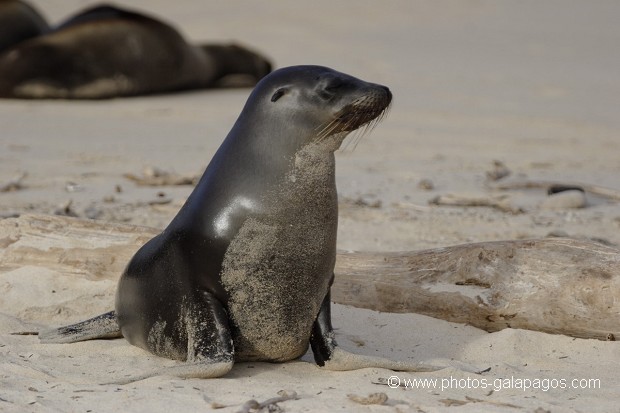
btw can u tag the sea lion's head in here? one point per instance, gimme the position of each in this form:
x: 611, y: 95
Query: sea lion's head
x: 303, y: 104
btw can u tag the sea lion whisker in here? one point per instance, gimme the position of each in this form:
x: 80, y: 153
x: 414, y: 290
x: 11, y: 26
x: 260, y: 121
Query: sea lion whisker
x: 356, y: 135
x: 323, y: 126
x: 363, y: 131
x: 328, y: 130
x: 347, y: 142
x: 327, y: 125
x: 368, y: 127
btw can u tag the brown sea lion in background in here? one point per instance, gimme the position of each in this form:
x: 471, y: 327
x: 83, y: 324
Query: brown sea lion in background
x: 106, y: 52
x: 18, y: 22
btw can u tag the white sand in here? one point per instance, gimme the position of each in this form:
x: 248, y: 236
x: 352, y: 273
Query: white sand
x: 532, y: 84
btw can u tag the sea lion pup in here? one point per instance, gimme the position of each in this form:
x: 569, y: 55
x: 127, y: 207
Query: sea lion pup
x: 18, y: 22
x: 106, y: 52
x: 243, y: 272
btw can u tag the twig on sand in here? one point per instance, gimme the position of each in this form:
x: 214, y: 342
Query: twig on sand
x: 455, y: 402
x: 14, y: 184
x: 254, y: 406
x: 501, y: 202
x: 373, y: 398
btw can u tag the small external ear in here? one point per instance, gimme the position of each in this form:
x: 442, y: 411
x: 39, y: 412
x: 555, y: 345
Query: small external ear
x: 279, y: 93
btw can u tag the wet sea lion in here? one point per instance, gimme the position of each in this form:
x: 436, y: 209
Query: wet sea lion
x: 243, y: 272
x: 106, y: 52
x: 18, y: 22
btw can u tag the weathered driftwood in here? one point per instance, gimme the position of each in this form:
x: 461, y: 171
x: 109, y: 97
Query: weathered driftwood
x: 85, y: 248
x: 555, y: 285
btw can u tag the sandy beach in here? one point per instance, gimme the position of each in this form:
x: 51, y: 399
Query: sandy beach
x: 530, y: 85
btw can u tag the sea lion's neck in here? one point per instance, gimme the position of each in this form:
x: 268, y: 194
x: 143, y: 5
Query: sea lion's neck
x: 241, y: 174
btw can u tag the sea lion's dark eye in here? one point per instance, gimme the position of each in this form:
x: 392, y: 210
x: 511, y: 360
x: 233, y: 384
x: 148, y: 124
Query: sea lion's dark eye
x: 330, y: 90
x: 279, y: 93
x: 324, y: 94
x: 334, y: 85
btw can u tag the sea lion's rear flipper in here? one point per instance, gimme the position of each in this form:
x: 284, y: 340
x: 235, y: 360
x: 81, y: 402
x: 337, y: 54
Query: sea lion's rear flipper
x: 102, y: 326
x: 210, y: 349
x: 329, y: 356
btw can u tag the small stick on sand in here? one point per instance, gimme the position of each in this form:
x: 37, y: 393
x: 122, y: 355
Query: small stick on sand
x: 373, y: 398
x: 253, y: 405
x: 501, y: 202
x: 14, y: 184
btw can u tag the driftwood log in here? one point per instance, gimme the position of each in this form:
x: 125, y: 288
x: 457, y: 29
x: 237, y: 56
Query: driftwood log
x: 555, y: 285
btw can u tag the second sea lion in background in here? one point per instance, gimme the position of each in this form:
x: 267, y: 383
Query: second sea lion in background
x: 18, y: 22
x: 105, y: 52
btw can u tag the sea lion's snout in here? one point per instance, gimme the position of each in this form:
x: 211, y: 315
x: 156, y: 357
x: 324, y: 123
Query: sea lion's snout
x: 388, y: 93
x: 381, y: 97
x: 362, y: 104
x: 370, y: 106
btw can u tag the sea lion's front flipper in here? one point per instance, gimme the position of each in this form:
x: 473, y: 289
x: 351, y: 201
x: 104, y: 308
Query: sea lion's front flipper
x: 210, y: 350
x: 209, y: 339
x: 329, y: 356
